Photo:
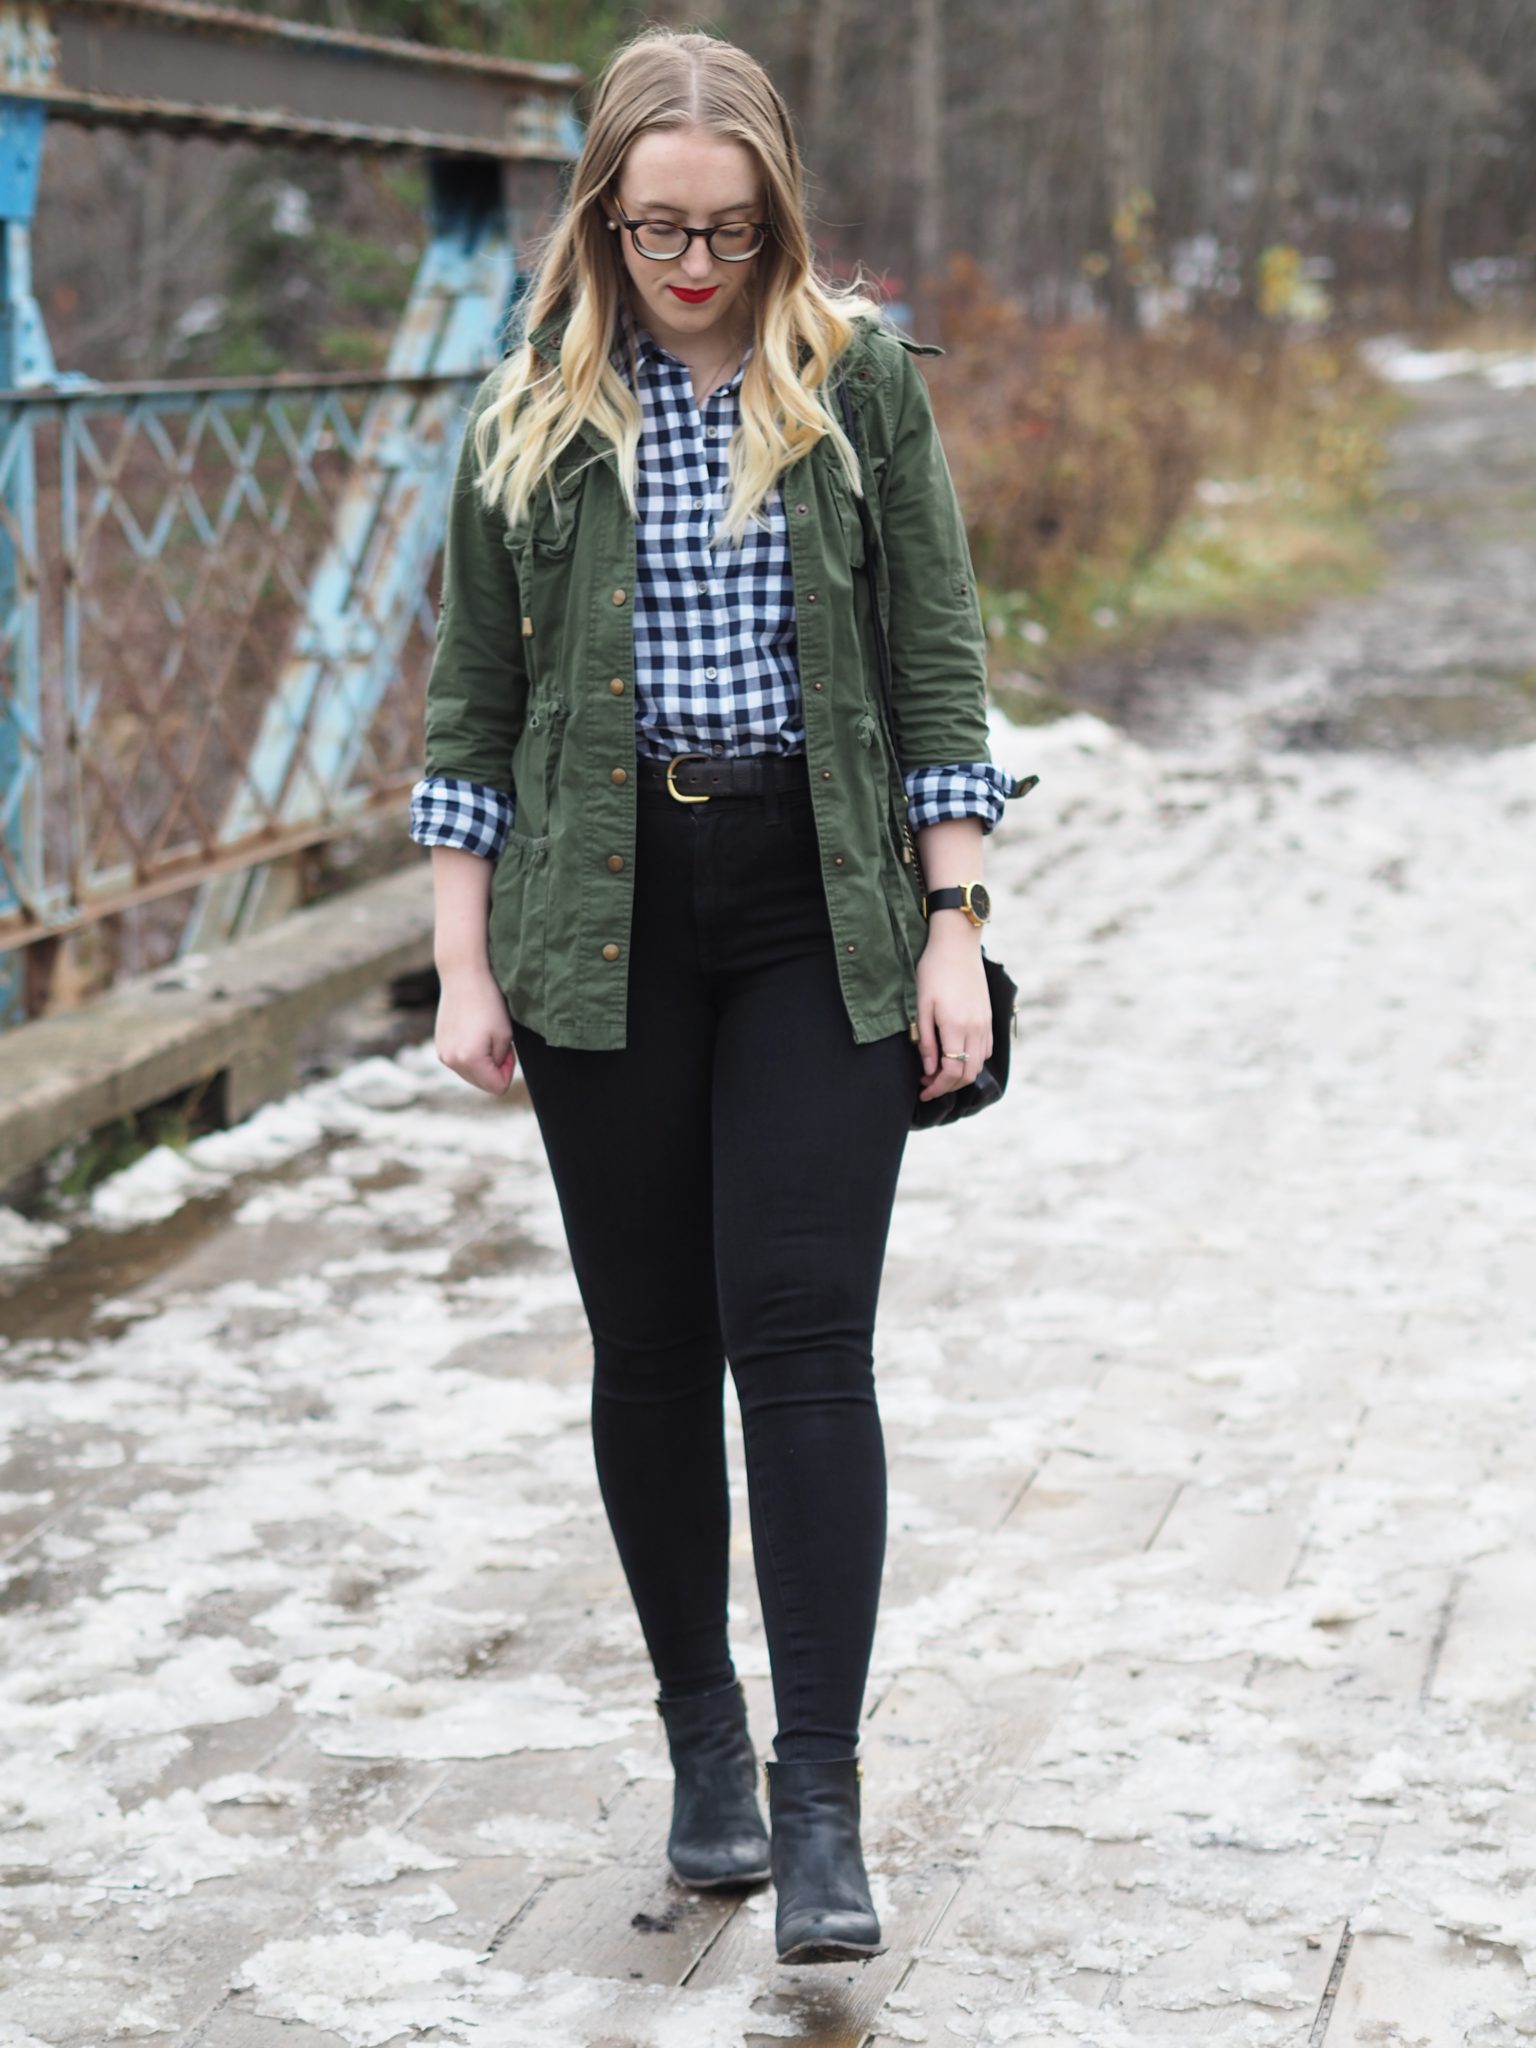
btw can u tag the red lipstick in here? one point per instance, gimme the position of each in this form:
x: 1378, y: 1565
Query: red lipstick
x: 694, y: 298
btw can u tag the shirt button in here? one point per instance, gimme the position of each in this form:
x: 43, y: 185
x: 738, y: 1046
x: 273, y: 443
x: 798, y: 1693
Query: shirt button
x: 711, y: 673
x: 698, y: 504
x: 618, y: 597
x: 610, y: 951
x: 615, y: 861
x: 717, y: 748
x: 617, y: 686
x: 618, y: 775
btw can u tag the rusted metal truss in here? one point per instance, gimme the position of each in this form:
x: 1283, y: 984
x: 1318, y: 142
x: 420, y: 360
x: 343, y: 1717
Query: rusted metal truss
x: 190, y: 69
x: 217, y: 598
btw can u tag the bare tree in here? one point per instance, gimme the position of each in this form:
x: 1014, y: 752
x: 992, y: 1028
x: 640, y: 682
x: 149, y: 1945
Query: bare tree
x: 1125, y: 35
x: 826, y: 88
x: 927, y: 150
x: 1291, y: 47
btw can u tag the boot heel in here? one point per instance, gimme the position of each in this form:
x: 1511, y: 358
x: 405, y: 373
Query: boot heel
x: 824, y: 1913
x: 717, y: 1835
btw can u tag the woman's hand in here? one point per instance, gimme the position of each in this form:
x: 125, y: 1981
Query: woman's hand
x: 474, y: 1031
x: 954, y: 1010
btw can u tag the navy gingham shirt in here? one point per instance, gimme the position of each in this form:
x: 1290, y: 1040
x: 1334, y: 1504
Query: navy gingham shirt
x: 715, y: 646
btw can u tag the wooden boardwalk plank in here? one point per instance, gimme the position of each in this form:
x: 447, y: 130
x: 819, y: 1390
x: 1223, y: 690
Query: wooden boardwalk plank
x: 1420, y: 1987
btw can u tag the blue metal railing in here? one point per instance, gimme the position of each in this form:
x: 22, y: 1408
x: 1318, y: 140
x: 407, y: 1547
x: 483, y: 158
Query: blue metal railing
x: 217, y: 597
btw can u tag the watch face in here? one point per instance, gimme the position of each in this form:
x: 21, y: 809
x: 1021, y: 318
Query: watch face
x: 981, y: 902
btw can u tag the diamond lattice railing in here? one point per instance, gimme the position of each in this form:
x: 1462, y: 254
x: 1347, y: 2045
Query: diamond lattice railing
x: 216, y: 625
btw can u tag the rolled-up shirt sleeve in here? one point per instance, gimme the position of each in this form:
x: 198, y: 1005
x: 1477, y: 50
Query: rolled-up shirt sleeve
x: 959, y: 789
x: 450, y: 810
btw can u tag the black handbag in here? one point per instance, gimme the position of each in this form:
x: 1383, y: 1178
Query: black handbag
x: 1002, y: 991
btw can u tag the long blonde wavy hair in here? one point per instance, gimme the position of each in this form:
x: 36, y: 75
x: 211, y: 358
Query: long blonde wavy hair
x: 665, y: 78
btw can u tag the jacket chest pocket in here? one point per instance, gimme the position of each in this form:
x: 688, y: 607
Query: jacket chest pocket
x: 543, y: 548
x: 543, y: 551
x: 850, y: 519
x: 848, y: 531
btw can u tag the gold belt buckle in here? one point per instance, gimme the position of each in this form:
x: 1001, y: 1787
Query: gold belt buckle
x: 681, y: 797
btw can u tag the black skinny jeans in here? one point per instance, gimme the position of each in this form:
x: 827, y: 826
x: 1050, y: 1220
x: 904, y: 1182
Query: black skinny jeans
x: 726, y: 1184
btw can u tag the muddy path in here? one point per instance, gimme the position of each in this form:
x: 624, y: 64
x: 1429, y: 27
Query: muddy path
x: 1440, y: 656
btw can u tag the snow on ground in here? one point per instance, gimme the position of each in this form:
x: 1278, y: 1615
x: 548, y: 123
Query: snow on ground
x: 1206, y: 1374
x: 1394, y: 357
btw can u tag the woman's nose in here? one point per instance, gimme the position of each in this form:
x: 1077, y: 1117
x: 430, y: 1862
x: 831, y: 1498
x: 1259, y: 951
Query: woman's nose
x: 697, y: 262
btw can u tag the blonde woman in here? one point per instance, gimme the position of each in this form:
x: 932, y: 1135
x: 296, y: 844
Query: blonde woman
x: 667, y: 854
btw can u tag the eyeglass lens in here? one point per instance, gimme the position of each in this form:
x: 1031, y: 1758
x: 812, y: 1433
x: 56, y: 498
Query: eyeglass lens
x: 730, y: 242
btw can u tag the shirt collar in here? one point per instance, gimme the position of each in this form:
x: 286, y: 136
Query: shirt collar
x: 649, y: 351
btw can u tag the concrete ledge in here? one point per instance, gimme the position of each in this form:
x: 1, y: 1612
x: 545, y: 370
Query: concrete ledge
x: 235, y: 1011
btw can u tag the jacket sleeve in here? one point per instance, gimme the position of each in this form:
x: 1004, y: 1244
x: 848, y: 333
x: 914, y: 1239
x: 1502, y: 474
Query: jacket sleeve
x: 477, y: 687
x: 937, y: 641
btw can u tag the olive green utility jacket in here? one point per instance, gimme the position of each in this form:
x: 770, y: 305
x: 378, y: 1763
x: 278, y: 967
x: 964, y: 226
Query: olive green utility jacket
x: 531, y: 691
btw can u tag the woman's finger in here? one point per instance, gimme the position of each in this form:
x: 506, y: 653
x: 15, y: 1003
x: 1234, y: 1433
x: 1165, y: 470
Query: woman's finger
x: 927, y: 1036
x: 950, y: 1035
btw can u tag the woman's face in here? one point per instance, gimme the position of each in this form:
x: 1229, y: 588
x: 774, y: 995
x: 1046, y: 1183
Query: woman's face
x: 691, y: 179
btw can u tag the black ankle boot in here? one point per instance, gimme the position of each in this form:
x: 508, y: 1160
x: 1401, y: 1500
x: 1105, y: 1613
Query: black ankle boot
x: 717, y: 1836
x: 825, y: 1912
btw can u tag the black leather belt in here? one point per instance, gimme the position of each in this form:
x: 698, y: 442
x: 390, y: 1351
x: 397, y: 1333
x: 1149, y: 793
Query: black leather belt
x: 692, y: 778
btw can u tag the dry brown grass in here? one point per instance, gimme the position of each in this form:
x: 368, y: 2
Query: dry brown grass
x: 1077, y: 450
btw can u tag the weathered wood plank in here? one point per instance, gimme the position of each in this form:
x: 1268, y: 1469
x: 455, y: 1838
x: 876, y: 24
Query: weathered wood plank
x: 628, y: 1920
x: 1420, y: 1987
x: 1084, y: 1507
x: 63, y: 1075
x: 1485, y: 1659
x: 1253, y: 1552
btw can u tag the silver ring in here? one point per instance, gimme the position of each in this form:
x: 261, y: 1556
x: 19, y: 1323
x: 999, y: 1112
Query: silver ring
x: 954, y: 1056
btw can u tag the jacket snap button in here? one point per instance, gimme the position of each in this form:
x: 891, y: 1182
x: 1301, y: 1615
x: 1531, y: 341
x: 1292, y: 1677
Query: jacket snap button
x: 810, y: 597
x: 618, y: 775
x: 816, y: 686
x: 826, y: 774
x: 615, y: 861
x: 850, y: 947
x: 610, y: 951
x: 618, y: 597
x: 617, y: 686
x: 802, y: 509
x: 837, y: 860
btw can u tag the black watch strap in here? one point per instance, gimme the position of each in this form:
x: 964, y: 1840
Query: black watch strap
x: 968, y: 897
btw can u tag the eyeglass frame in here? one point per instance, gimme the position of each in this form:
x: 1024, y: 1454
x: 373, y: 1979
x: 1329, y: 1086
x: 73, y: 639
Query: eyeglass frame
x: 764, y: 228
